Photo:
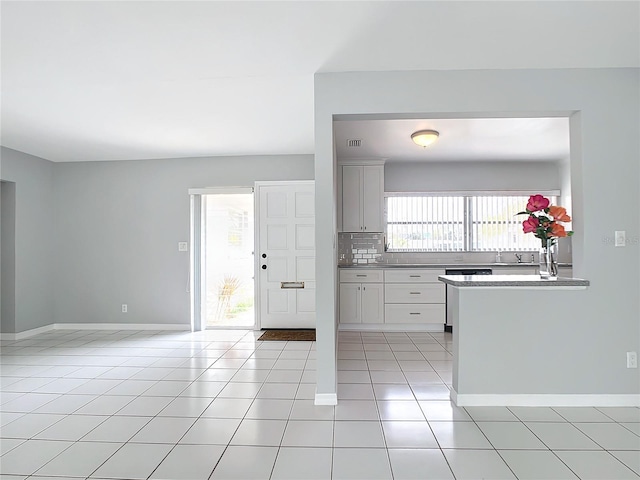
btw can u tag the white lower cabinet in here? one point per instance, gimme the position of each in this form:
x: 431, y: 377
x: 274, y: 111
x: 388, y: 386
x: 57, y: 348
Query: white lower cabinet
x: 372, y: 303
x: 392, y: 298
x: 361, y: 303
x: 415, y: 296
x: 361, y: 296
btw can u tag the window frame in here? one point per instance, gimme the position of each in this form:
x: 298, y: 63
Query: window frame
x: 468, y: 221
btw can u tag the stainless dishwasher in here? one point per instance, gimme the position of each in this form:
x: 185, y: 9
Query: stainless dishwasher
x: 448, y: 326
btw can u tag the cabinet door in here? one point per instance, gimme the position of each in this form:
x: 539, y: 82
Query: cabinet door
x: 372, y: 198
x: 372, y: 303
x: 350, y: 303
x: 351, y: 198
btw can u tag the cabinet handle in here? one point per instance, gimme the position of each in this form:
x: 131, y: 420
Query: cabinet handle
x: 415, y: 276
x: 358, y: 288
x: 414, y: 293
x: 364, y: 288
x: 414, y: 313
x: 360, y: 275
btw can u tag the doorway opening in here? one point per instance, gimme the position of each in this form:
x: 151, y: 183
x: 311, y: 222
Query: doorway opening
x: 224, y: 259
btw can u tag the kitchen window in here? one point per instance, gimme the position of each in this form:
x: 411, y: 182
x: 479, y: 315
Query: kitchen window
x: 478, y: 222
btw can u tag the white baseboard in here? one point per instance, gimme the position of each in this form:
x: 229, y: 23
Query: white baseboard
x: 122, y: 326
x: 390, y: 327
x: 26, y: 333
x: 95, y: 326
x: 326, y: 399
x: 545, y: 400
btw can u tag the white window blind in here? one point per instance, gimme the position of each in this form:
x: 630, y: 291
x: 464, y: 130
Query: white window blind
x: 425, y: 223
x: 495, y: 225
x: 452, y: 223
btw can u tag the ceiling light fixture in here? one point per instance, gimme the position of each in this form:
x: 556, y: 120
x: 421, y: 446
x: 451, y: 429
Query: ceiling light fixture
x: 424, y: 138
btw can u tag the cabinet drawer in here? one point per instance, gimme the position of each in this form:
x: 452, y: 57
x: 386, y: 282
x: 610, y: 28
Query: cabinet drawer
x: 417, y: 313
x: 361, y: 275
x: 414, y: 293
x: 413, y: 275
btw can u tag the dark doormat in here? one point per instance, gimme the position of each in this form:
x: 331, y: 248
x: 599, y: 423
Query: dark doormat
x: 307, y: 335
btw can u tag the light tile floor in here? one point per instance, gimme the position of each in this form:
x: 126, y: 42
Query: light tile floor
x: 221, y: 405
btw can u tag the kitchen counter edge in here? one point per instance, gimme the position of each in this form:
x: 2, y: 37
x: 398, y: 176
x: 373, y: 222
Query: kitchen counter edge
x: 457, y: 266
x: 511, y: 281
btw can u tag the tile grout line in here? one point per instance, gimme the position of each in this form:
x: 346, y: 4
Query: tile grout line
x: 431, y: 428
x: 190, y: 381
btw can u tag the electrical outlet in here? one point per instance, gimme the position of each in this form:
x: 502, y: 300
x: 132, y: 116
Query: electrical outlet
x: 182, y: 246
x: 124, y: 308
x: 632, y: 360
x: 620, y: 238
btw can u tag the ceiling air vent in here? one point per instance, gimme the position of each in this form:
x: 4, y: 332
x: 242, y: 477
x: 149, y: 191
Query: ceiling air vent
x: 354, y: 143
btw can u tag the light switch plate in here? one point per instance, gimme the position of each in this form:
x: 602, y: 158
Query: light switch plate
x: 632, y: 360
x: 182, y: 246
x: 620, y: 238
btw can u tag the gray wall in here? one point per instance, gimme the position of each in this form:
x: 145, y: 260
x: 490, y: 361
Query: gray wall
x: 606, y: 324
x: 439, y: 176
x: 564, y: 171
x: 8, y: 256
x: 118, y: 225
x: 499, y: 353
x: 34, y: 278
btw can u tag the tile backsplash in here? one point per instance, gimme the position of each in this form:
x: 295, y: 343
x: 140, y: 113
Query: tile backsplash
x: 368, y: 248
x: 360, y: 248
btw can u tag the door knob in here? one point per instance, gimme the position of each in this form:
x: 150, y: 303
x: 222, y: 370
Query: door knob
x: 264, y: 267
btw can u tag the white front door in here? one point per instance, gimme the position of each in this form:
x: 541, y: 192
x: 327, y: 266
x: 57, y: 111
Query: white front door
x: 286, y: 254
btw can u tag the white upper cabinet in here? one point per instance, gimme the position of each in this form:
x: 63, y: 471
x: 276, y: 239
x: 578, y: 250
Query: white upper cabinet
x: 373, y: 198
x: 352, y: 193
x: 362, y: 198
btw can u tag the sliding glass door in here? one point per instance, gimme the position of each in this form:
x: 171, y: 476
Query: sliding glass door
x: 224, y: 258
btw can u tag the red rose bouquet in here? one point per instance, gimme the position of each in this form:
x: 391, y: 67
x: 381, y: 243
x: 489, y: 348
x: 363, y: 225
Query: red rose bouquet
x: 544, y: 220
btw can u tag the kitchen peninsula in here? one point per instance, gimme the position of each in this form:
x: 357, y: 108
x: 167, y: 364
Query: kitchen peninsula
x: 408, y: 297
x: 509, y: 335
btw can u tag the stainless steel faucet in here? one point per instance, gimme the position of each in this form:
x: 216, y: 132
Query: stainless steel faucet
x: 519, y: 257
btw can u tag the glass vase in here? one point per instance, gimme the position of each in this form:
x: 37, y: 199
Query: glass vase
x: 549, y: 259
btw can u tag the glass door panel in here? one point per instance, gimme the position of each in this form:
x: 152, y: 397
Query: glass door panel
x: 227, y: 262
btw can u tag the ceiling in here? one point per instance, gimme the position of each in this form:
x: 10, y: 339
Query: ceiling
x: 461, y: 139
x: 116, y: 80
